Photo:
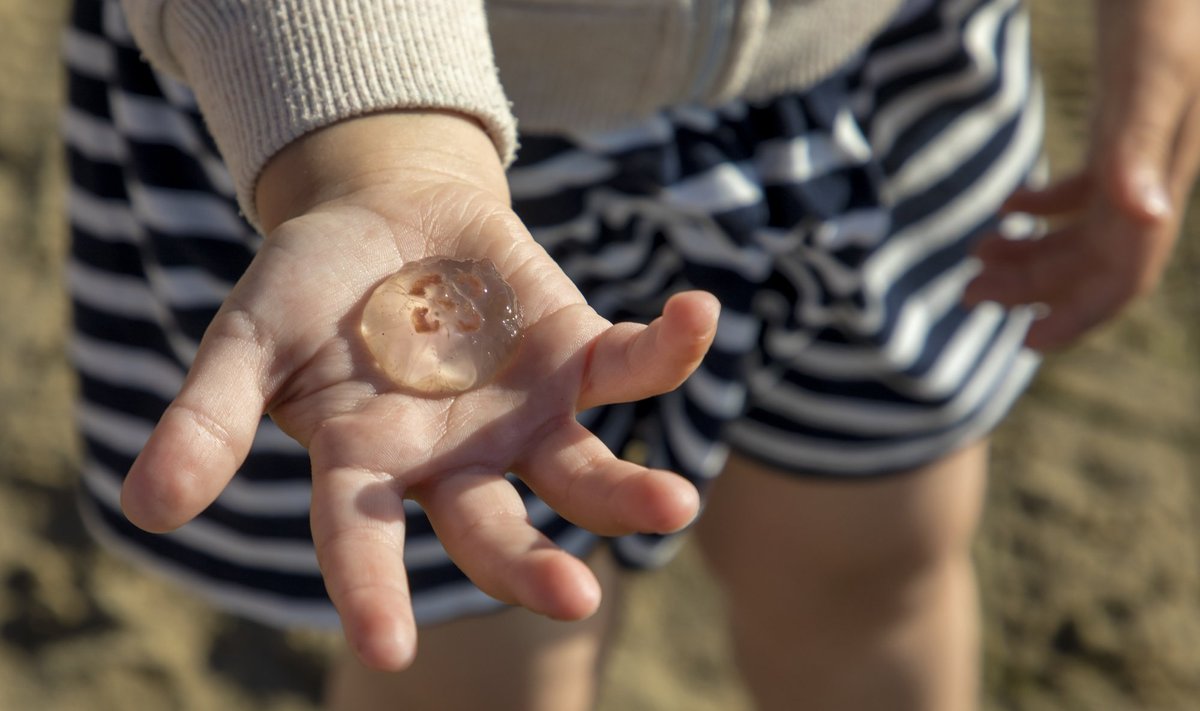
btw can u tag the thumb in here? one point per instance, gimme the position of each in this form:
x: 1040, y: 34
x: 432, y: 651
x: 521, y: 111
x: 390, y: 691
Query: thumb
x: 1140, y: 105
x: 204, y: 435
x: 1137, y: 179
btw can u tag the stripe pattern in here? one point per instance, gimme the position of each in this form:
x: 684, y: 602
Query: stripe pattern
x: 834, y: 226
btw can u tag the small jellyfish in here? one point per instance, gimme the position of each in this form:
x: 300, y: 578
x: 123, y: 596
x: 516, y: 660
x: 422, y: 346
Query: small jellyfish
x: 441, y: 326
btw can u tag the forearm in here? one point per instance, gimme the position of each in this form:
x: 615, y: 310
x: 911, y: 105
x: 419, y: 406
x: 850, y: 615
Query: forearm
x: 1145, y: 47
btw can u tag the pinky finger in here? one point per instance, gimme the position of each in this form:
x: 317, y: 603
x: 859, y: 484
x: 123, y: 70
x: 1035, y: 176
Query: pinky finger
x: 629, y: 362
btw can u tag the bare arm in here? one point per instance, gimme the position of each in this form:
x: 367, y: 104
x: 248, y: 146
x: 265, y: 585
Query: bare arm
x: 1115, y: 220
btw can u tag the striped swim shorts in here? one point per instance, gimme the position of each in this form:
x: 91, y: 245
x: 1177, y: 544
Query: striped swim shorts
x: 835, y: 226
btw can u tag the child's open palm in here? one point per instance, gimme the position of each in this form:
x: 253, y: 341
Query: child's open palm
x: 287, y: 342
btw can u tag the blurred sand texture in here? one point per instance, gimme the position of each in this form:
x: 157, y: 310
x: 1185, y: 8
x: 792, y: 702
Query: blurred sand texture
x: 1089, y: 558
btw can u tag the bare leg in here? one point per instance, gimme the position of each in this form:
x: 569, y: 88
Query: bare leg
x: 851, y: 595
x: 511, y: 660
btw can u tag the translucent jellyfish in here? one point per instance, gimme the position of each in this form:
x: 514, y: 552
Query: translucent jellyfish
x: 441, y: 326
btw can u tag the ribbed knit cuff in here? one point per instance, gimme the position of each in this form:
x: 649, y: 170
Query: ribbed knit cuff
x: 265, y: 72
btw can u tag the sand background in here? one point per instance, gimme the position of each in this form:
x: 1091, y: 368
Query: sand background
x: 1089, y: 558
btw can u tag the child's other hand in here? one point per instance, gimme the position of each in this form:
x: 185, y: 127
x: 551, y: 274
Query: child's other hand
x: 1114, y: 223
x: 345, y: 207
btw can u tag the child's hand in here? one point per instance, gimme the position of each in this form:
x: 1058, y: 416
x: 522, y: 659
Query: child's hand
x: 352, y: 204
x: 1115, y: 222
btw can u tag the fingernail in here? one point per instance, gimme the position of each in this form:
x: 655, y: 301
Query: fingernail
x: 1020, y: 225
x: 971, y: 267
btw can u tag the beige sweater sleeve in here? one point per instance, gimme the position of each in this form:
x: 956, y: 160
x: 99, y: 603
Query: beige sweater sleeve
x: 266, y: 72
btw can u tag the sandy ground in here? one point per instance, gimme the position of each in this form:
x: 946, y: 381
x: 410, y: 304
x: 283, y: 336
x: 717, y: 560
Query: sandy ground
x: 1089, y: 561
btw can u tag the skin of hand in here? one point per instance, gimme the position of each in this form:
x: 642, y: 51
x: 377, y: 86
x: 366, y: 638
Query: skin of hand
x: 343, y: 208
x: 1113, y: 223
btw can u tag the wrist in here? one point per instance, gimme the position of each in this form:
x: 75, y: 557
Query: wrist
x: 365, y: 152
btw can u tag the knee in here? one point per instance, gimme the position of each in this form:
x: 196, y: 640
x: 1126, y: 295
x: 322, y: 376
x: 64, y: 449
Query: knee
x: 883, y: 556
x: 775, y: 542
x: 882, y: 574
